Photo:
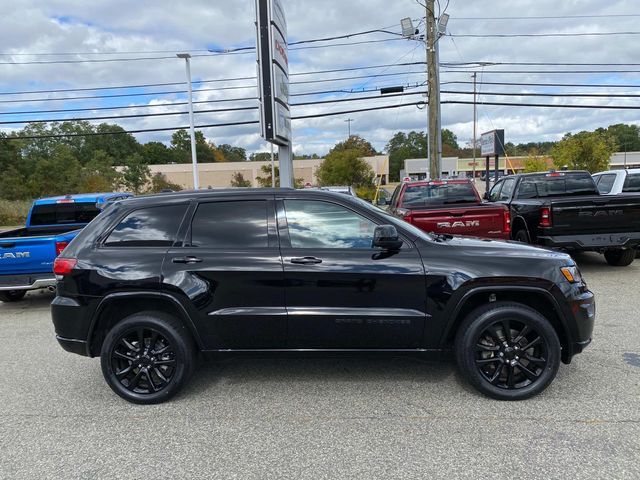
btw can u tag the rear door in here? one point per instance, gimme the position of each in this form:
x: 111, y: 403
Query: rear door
x: 229, y: 267
x: 342, y: 293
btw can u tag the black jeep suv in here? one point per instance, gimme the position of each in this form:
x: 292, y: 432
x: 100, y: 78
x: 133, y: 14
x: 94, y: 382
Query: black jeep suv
x: 155, y: 281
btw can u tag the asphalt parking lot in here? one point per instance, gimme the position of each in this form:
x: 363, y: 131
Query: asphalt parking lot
x: 324, y: 417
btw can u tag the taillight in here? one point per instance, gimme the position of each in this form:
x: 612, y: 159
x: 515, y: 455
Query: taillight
x: 507, y: 221
x: 60, y: 246
x: 64, y: 266
x: 545, y: 217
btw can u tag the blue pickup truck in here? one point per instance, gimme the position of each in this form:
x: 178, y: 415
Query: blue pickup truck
x: 27, y: 254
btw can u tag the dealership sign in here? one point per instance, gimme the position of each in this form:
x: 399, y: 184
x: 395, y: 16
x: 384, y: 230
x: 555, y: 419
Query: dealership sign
x: 273, y: 71
x: 492, y: 143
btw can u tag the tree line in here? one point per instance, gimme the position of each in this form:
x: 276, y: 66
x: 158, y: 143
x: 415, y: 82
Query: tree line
x: 77, y: 156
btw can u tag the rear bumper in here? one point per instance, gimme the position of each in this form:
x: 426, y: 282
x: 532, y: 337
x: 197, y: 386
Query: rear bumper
x: 71, y: 324
x: 27, y: 282
x: 73, y: 345
x: 591, y: 241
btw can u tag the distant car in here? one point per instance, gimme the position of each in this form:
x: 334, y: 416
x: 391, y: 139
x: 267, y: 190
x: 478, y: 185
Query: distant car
x: 27, y: 254
x: 615, y: 182
x: 341, y: 189
x: 449, y: 206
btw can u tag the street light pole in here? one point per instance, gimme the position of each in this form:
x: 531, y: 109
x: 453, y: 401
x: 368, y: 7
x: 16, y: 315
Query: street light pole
x: 475, y: 119
x: 194, y: 158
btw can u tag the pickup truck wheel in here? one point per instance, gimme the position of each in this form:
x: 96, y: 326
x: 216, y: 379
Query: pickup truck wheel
x: 620, y: 258
x: 507, y: 351
x: 147, y: 357
x: 521, y: 236
x: 12, y: 295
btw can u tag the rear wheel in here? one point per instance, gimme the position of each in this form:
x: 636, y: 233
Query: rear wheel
x: 620, y: 258
x: 147, y: 357
x: 12, y: 295
x: 521, y: 236
x: 507, y: 351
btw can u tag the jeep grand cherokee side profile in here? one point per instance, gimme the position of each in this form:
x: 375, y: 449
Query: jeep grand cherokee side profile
x: 155, y: 281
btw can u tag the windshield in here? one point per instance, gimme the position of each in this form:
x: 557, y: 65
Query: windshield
x: 438, y: 194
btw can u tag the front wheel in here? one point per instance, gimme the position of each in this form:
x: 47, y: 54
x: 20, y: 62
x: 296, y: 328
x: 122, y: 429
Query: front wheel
x: 12, y: 295
x: 147, y: 357
x: 507, y: 351
x: 620, y: 258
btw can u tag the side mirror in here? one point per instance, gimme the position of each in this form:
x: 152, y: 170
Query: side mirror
x: 386, y: 237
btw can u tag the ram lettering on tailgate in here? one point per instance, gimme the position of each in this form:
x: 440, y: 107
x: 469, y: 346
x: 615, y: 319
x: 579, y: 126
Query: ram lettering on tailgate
x: 459, y: 224
x: 14, y: 255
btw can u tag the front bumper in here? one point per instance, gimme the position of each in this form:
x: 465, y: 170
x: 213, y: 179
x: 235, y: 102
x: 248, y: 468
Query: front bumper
x: 583, y: 312
x: 591, y: 241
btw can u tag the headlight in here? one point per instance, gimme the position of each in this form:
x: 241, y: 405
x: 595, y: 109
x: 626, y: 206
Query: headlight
x: 572, y: 274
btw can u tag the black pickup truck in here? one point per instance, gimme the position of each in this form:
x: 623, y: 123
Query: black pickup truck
x: 565, y: 210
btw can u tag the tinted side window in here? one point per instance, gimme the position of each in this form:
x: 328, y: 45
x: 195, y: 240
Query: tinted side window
x: 632, y: 183
x: 507, y: 189
x: 317, y: 224
x: 148, y: 227
x: 241, y: 224
x: 606, y: 183
x: 494, y: 193
x: 527, y: 190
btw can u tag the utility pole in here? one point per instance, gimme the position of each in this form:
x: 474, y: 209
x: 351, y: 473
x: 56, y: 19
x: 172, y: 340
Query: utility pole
x: 194, y: 158
x: 432, y: 93
x: 475, y: 119
x: 349, y: 120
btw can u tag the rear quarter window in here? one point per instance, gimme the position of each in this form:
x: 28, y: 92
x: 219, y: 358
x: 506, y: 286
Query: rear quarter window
x: 148, y: 227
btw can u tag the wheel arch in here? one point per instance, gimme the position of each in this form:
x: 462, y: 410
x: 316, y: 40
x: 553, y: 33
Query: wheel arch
x: 519, y: 223
x: 117, y: 306
x: 536, y: 298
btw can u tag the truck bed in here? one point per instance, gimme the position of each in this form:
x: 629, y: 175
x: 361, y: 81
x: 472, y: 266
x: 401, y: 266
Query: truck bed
x: 35, y: 232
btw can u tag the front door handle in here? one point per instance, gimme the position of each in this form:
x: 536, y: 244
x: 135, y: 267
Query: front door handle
x: 187, y: 260
x: 306, y: 260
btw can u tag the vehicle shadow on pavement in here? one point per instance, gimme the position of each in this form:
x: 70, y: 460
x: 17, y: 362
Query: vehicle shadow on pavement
x: 34, y: 299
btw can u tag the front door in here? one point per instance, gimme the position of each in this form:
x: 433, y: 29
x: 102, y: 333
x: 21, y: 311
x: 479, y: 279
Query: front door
x: 340, y: 292
x: 229, y: 267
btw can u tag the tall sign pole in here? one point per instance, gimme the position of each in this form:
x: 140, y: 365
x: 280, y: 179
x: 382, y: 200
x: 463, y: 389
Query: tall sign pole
x: 475, y: 119
x: 273, y: 82
x: 432, y: 96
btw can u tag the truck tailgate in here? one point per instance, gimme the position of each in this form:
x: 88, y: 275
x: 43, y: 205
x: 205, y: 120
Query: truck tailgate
x: 27, y: 255
x: 595, y: 214
x: 476, y: 220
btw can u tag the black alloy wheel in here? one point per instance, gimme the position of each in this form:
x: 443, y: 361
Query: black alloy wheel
x: 508, y: 351
x: 147, y: 357
x: 12, y: 295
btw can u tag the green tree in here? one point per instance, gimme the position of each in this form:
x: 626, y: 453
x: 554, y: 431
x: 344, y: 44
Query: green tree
x: 136, y: 174
x: 263, y: 157
x: 114, y: 141
x: 403, y: 146
x: 534, y: 162
x: 159, y: 183
x: 265, y: 181
x: 181, y: 147
x: 589, y: 151
x: 57, y: 174
x: 345, y: 167
x: 238, y: 180
x: 355, y: 142
x: 231, y: 153
x: 627, y: 137
x: 98, y: 175
x: 450, y: 146
x: 156, y: 153
x: 13, y: 184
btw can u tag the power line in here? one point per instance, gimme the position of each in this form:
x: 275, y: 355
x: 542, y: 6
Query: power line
x: 171, y: 92
x: 147, y: 85
x: 549, y: 17
x: 568, y: 64
x: 212, y: 125
x: 560, y: 94
x: 559, y: 34
x: 220, y: 110
x: 544, y: 105
x: 543, y: 71
x: 586, y: 85
x: 219, y: 100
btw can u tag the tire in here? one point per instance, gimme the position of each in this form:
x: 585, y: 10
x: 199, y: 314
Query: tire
x: 620, y: 258
x: 521, y: 236
x: 154, y: 372
x: 500, y: 372
x: 12, y: 295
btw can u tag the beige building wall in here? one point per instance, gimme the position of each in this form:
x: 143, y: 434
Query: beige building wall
x: 218, y: 175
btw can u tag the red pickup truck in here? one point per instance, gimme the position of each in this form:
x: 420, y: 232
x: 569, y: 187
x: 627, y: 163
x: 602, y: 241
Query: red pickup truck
x: 449, y: 206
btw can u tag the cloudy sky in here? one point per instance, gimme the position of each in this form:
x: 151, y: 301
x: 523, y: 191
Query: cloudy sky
x: 97, y: 37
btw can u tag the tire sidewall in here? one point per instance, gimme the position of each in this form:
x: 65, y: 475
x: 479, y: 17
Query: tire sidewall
x: 183, y: 355
x: 12, y: 295
x: 521, y: 236
x: 465, y: 350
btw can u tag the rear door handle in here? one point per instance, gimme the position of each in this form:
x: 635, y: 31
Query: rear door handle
x: 187, y: 260
x: 306, y: 260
